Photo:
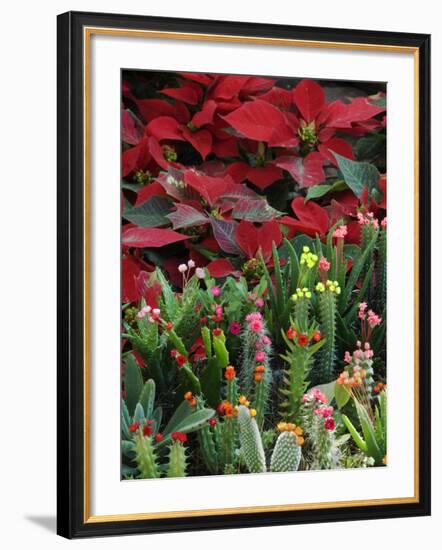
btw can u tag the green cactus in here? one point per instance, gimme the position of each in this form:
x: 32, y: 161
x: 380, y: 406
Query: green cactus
x: 327, y: 316
x: 251, y: 444
x: 227, y: 441
x: 145, y: 456
x: 296, y: 377
x: 301, y: 313
x: 286, y: 454
x: 206, y: 440
x: 177, y: 460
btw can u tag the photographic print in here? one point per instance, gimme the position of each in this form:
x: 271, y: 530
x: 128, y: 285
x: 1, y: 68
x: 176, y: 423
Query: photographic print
x: 253, y: 264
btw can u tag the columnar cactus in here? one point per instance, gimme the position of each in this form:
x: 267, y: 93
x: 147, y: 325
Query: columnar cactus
x: 177, y: 457
x: 327, y: 316
x: 286, y: 455
x: 251, y: 445
x: 145, y: 456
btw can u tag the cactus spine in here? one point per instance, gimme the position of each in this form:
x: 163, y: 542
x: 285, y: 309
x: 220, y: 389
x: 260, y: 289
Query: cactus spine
x: 251, y: 443
x: 327, y: 315
x: 177, y: 460
x: 145, y: 456
x: 208, y: 448
x: 286, y: 455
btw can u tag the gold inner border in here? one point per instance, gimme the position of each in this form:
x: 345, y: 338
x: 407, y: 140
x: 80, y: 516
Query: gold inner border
x: 88, y: 32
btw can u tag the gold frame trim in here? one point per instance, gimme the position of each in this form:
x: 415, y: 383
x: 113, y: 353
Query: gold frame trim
x: 88, y: 32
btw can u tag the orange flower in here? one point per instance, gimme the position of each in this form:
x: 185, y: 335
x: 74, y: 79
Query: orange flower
x: 230, y: 373
x: 258, y: 377
x: 192, y: 402
x: 260, y: 368
x: 299, y: 440
x: 188, y: 395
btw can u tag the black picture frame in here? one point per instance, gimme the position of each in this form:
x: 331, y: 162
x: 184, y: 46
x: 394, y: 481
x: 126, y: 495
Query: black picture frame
x: 72, y: 522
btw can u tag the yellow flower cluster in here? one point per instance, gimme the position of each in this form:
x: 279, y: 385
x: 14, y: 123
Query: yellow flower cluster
x: 308, y: 257
x: 244, y: 401
x: 332, y: 286
x: 297, y: 431
x: 301, y: 293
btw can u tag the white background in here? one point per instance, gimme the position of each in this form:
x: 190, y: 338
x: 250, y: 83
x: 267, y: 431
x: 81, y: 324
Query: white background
x: 27, y: 404
x: 109, y: 495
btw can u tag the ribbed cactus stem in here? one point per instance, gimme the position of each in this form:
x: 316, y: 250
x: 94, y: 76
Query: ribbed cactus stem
x: 208, y: 448
x: 177, y: 460
x: 251, y: 443
x: 381, y: 271
x: 228, y: 440
x: 286, y: 455
x: 232, y: 392
x: 302, y: 307
x: 295, y: 379
x: 261, y: 395
x: 145, y: 456
x: 327, y: 315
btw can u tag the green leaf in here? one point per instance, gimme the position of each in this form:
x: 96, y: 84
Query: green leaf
x: 355, y: 434
x: 211, y: 381
x: 139, y: 413
x: 152, y: 213
x: 342, y: 395
x: 369, y: 434
x: 368, y: 148
x: 358, y: 175
x: 317, y: 191
x: 147, y: 397
x: 133, y: 383
x: 182, y: 411
x: 254, y: 210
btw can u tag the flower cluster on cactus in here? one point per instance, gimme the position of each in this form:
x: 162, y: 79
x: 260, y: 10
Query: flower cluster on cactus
x: 254, y: 269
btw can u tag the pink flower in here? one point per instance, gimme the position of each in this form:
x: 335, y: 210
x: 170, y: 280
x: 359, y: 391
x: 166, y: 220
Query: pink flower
x: 191, y: 264
x: 219, y: 311
x: 256, y: 326
x: 235, y: 328
x: 259, y: 302
x: 347, y: 357
x: 156, y: 314
x: 340, y: 232
x: 143, y: 312
x: 325, y: 412
x: 259, y: 344
x: 318, y: 395
x: 255, y: 316
x: 260, y: 356
x: 324, y: 264
x: 266, y: 340
x: 384, y: 223
x: 200, y: 273
x: 182, y: 268
x: 373, y: 319
x: 362, y: 308
x: 216, y: 291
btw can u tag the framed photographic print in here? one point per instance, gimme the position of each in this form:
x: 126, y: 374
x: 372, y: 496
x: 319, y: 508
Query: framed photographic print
x: 232, y: 302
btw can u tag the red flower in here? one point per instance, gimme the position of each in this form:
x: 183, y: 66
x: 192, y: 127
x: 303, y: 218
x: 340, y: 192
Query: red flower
x: 291, y: 333
x: 173, y: 353
x: 179, y: 436
x: 159, y: 437
x: 134, y: 427
x: 329, y: 424
x: 181, y: 360
x: 235, y: 328
x: 302, y: 340
x: 212, y: 422
x: 217, y: 332
x: 147, y: 430
x: 169, y: 326
x: 316, y: 336
x: 253, y: 240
